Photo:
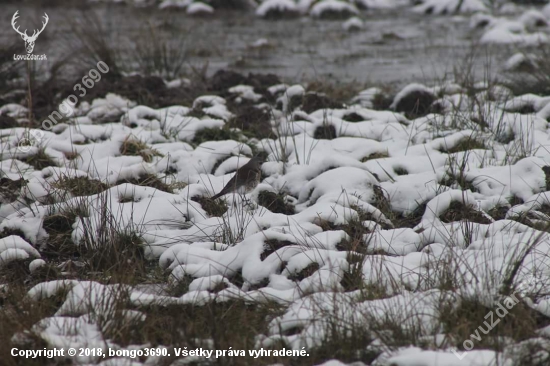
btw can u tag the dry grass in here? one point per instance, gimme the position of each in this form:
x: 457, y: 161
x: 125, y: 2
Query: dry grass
x: 19, y: 314
x: 80, y: 186
x: 133, y: 147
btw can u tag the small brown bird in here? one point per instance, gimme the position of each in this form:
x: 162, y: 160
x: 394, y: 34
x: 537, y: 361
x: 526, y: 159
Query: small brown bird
x: 246, y: 178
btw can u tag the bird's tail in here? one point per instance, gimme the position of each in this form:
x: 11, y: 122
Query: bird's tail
x: 223, y: 191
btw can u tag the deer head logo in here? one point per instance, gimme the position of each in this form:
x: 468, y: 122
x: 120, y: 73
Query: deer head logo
x: 29, y: 40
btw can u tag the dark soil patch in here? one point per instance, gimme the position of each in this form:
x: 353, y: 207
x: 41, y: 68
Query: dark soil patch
x: 272, y: 245
x: 11, y: 231
x: 415, y: 104
x: 275, y: 203
x: 546, y: 170
x: 261, y: 82
x: 145, y: 90
x: 515, y: 200
x: 381, y: 102
x: 222, y: 80
x: 229, y: 4
x: 11, y: 189
x: 304, y: 273
x: 524, y: 109
x: 314, y: 101
x: 411, y: 220
x: 498, y: 212
x: 353, y: 117
x: 254, y: 122
x: 7, y: 122
x: 336, y: 14
x: 325, y: 132
x: 294, y: 102
x: 399, y: 170
x: 279, y: 14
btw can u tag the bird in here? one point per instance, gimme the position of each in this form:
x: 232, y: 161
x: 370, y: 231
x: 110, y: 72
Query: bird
x: 246, y: 178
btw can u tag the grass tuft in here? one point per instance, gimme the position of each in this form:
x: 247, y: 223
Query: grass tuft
x: 80, y: 186
x: 133, y: 147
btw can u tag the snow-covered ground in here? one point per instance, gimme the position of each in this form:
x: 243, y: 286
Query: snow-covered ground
x: 387, y: 221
